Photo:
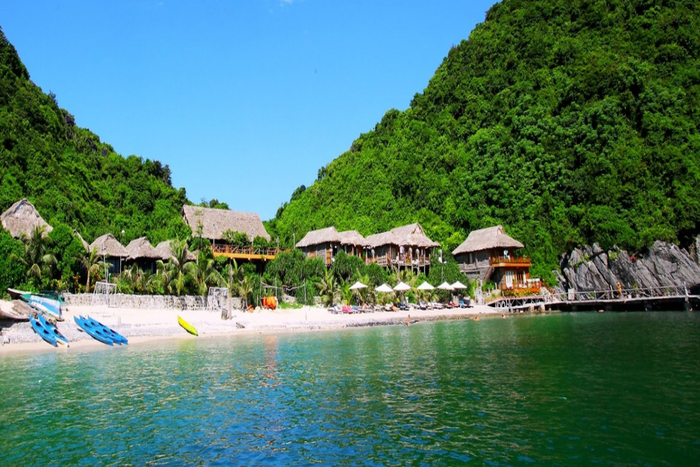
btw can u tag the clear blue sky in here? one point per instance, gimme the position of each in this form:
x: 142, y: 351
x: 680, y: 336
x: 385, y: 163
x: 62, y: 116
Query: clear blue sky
x: 244, y: 99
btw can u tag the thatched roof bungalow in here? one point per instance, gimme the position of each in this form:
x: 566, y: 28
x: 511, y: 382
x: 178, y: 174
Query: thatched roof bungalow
x: 82, y: 240
x: 217, y: 221
x: 352, y: 242
x: 407, y: 245
x: 322, y: 243
x: 489, y: 254
x: 21, y: 218
x: 113, y: 251
x: 143, y: 254
x: 165, y: 251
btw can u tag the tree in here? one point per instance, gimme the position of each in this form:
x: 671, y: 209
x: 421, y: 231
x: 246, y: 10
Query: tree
x: 36, y: 258
x: 92, y: 262
x: 181, y: 272
x: 328, y: 288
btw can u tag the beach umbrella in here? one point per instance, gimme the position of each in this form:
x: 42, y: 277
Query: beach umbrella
x: 402, y: 287
x: 357, y: 285
x: 445, y: 286
x: 384, y: 288
x: 458, y: 285
x: 425, y: 286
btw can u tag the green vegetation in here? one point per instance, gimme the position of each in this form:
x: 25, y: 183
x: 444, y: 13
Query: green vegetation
x: 567, y: 121
x: 70, y: 175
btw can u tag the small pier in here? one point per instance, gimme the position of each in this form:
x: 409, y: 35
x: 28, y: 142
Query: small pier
x: 673, y: 298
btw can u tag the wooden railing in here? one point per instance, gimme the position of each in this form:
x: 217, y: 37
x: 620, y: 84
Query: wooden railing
x: 533, y: 286
x: 507, y: 261
x: 385, y: 261
x: 245, y: 250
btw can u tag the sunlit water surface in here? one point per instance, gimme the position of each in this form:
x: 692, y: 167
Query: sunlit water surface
x: 570, y: 389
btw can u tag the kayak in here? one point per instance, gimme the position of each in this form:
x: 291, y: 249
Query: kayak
x: 45, y: 305
x: 42, y: 331
x: 60, y: 338
x: 114, y: 335
x: 92, y: 331
x: 187, y: 326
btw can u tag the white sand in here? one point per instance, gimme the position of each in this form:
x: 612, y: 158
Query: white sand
x: 140, y: 325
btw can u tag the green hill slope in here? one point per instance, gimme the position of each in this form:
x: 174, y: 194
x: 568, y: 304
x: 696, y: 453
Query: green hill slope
x: 69, y: 174
x: 567, y: 121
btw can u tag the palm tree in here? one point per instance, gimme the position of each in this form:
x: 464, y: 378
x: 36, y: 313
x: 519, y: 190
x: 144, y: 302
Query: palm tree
x: 92, y: 264
x: 205, y: 274
x: 328, y: 288
x: 36, y: 258
x: 245, y: 289
x: 181, y: 272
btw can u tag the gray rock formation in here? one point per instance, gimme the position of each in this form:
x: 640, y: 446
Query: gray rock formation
x: 591, y: 268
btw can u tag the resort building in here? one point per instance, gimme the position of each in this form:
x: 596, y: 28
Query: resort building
x: 143, y: 254
x: 165, y: 252
x: 490, y: 255
x: 405, y: 246
x: 112, y: 250
x: 352, y: 242
x: 22, y: 218
x: 322, y: 243
x: 213, y: 224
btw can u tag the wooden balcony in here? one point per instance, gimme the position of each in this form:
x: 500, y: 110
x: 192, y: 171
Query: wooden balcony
x: 529, y: 287
x: 401, y: 261
x: 503, y: 262
x: 246, y: 252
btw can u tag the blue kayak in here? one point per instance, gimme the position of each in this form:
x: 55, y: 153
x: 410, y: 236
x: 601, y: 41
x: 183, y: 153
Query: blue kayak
x: 92, y: 331
x: 60, y: 338
x: 42, y: 331
x: 114, y: 335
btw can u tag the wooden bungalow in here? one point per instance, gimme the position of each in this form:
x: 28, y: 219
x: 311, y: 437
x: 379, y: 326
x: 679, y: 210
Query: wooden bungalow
x: 491, y: 255
x: 322, y: 243
x: 143, y: 254
x: 112, y: 250
x: 352, y: 242
x: 405, y: 246
x: 21, y: 218
x: 215, y: 222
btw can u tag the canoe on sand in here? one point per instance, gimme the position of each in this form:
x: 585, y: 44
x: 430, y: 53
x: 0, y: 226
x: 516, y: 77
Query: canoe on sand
x: 186, y: 326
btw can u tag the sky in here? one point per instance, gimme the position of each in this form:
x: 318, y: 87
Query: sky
x: 245, y: 100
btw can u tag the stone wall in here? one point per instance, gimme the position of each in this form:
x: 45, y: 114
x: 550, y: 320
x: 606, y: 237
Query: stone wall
x: 187, y: 302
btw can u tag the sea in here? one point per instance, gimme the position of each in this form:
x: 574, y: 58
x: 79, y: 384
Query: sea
x: 602, y: 389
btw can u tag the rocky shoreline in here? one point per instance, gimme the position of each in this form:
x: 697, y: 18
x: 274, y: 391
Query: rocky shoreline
x: 591, y: 268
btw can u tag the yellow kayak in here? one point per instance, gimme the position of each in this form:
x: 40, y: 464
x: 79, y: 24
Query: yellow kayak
x: 186, y: 326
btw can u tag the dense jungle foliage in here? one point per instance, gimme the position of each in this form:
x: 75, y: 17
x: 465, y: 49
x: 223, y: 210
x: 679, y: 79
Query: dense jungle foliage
x: 567, y: 121
x: 69, y: 174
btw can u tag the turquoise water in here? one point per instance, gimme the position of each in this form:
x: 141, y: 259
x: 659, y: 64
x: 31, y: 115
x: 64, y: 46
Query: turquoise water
x: 570, y: 389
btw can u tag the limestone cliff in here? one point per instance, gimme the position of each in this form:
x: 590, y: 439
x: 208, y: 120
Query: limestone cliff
x: 591, y: 268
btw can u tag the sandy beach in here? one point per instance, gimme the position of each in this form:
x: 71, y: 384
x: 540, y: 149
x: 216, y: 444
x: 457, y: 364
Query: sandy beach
x: 141, y: 325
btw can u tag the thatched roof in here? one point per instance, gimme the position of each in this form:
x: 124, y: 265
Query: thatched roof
x: 107, y: 244
x: 21, y: 218
x: 165, y: 251
x: 217, y: 221
x: 411, y: 235
x: 351, y: 237
x: 141, y: 248
x: 486, y: 239
x: 317, y: 237
x: 384, y: 238
x: 82, y: 240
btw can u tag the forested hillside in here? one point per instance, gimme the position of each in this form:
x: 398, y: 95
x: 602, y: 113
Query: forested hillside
x: 69, y: 174
x: 567, y: 121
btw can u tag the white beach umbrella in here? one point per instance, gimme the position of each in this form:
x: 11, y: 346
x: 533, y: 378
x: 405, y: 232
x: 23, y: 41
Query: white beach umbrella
x: 357, y: 285
x: 458, y: 285
x: 445, y: 286
x: 384, y: 288
x: 402, y: 287
x: 425, y: 286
